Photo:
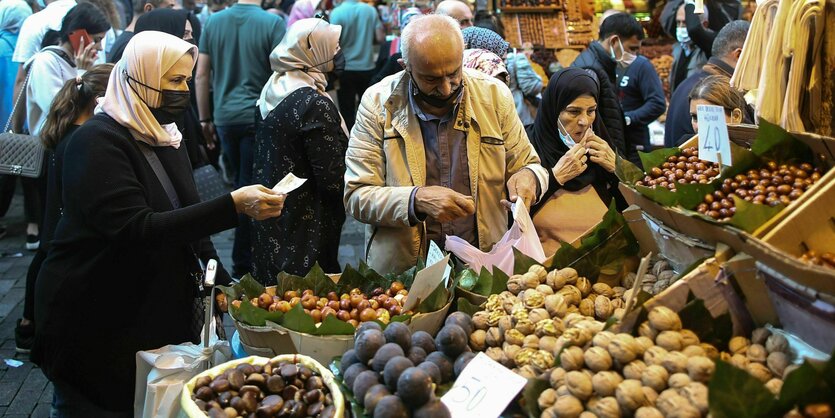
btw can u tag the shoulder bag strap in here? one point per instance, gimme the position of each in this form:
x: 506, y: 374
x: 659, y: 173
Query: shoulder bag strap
x: 161, y: 174
x: 17, y: 101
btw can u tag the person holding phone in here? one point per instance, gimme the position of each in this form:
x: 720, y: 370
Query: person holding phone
x: 575, y: 148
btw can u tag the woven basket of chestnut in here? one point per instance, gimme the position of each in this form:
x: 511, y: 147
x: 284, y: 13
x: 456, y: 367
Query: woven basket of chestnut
x: 286, y: 386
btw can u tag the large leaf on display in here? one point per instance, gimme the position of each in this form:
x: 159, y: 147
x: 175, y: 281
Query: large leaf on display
x: 743, y: 160
x: 286, y: 281
x: 351, y: 278
x: 733, y: 393
x: 697, y: 318
x: 690, y: 195
x: 332, y: 326
x: 775, y: 143
x: 253, y: 315
x: 250, y: 287
x: 436, y: 300
x: 661, y: 195
x: 295, y: 319
x: 499, y: 282
x: 799, y: 386
x: 521, y: 262
x: 319, y: 282
x: 657, y: 157
x: 750, y: 216
x: 530, y: 396
x: 468, y: 308
x: 626, y: 171
x: 484, y: 283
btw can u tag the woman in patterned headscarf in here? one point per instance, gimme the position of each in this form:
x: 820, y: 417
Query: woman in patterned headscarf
x: 481, y: 38
x: 486, y: 62
x: 301, y: 132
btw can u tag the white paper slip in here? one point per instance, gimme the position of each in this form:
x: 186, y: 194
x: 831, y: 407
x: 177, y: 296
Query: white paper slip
x: 426, y: 281
x: 714, y: 143
x: 435, y: 255
x: 483, y: 390
x: 289, y: 183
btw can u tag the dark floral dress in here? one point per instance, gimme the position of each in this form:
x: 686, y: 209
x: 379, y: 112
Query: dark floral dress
x: 302, y: 135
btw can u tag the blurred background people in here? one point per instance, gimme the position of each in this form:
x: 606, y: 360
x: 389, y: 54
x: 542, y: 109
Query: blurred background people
x: 140, y: 7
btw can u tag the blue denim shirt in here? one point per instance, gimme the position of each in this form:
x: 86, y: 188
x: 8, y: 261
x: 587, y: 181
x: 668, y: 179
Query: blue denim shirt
x: 447, y: 166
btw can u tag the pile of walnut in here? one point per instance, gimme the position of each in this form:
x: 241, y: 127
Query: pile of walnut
x: 658, y: 278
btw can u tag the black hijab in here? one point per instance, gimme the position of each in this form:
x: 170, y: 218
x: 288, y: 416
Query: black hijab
x: 170, y: 21
x: 563, y: 88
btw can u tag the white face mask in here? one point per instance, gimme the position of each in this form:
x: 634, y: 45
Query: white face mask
x: 626, y: 58
x: 682, y: 36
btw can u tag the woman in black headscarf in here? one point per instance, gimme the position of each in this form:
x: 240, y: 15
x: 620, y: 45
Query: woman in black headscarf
x: 573, y: 144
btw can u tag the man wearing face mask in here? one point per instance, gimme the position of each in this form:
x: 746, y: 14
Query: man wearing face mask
x: 688, y: 58
x: 620, y: 39
x: 641, y: 94
x: 436, y: 150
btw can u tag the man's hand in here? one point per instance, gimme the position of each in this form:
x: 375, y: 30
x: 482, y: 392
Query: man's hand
x: 209, y: 133
x: 521, y: 185
x: 600, y: 152
x: 443, y: 204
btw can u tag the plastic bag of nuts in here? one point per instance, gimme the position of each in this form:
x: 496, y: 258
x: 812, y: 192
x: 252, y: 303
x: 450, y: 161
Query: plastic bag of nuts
x: 286, y: 385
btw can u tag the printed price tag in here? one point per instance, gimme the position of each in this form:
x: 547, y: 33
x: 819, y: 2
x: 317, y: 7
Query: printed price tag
x: 714, y: 144
x: 483, y: 389
x: 289, y: 183
x: 435, y: 255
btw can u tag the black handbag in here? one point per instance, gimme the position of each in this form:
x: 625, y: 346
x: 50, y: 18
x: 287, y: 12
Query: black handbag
x: 208, y: 180
x: 20, y: 154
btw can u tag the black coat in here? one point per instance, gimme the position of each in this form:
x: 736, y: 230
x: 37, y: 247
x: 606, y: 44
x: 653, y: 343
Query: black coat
x: 116, y: 279
x: 595, y: 58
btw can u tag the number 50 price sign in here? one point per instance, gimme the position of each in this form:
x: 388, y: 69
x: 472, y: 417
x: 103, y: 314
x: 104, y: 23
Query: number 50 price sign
x: 483, y: 389
x: 714, y: 144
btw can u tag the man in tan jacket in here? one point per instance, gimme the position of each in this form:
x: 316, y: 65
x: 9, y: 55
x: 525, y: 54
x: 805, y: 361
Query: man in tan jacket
x: 436, y: 150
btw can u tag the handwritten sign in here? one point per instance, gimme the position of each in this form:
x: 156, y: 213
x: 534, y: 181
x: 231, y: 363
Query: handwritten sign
x: 435, y: 255
x: 714, y: 144
x: 289, y: 183
x: 483, y: 389
x: 426, y: 281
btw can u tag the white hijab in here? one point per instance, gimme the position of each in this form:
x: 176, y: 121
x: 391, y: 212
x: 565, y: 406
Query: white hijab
x: 310, y: 44
x: 147, y: 57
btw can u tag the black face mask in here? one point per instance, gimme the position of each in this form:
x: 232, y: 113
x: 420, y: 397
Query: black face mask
x: 174, y: 103
x: 434, y: 101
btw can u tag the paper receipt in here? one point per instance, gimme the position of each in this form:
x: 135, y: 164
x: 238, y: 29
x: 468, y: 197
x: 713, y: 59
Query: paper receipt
x: 289, y: 183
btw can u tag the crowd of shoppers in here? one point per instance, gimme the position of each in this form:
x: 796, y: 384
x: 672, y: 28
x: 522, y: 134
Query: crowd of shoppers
x: 434, y: 130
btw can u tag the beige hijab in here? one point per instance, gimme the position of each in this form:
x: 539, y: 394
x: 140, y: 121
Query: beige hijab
x: 147, y: 57
x: 310, y: 45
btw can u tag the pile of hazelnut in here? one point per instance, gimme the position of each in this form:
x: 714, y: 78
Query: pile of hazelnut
x: 825, y: 259
x: 771, y: 185
x: 353, y: 307
x: 277, y: 388
x: 683, y: 168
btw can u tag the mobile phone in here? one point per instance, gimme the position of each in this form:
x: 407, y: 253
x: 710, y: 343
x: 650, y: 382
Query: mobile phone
x: 76, y: 36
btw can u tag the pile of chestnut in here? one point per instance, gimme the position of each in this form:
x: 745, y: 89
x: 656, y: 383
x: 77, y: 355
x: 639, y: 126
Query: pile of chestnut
x: 353, y: 307
x: 771, y: 185
x: 278, y: 388
x: 824, y: 259
x: 679, y: 169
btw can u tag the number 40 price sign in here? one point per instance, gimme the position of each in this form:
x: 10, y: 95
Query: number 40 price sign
x: 483, y: 389
x: 714, y: 144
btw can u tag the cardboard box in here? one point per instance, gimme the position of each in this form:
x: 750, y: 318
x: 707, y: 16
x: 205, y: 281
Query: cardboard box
x: 747, y: 295
x: 636, y: 220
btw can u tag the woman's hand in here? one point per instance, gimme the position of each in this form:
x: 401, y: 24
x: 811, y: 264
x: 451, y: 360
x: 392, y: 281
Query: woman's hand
x: 571, y: 165
x: 258, y: 202
x: 86, y: 55
x: 600, y: 152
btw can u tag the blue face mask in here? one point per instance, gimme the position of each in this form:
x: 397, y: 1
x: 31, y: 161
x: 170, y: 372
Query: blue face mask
x: 42, y: 4
x: 565, y: 137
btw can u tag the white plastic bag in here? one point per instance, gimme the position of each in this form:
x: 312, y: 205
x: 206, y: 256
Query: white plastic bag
x: 521, y: 235
x: 162, y: 373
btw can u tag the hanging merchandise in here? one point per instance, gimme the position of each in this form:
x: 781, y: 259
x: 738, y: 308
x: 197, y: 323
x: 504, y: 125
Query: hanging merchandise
x: 804, y: 76
x: 749, y: 67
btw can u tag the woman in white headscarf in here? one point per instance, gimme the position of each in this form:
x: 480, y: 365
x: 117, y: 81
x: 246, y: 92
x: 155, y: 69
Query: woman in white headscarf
x: 301, y: 132
x: 120, y: 274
